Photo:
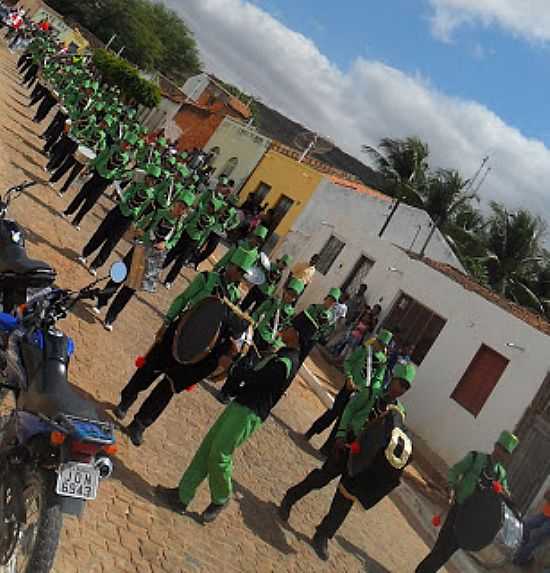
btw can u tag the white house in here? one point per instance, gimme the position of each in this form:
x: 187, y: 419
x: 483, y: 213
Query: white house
x: 163, y: 115
x: 482, y: 362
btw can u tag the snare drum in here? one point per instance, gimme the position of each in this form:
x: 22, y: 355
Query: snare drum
x: 84, y: 154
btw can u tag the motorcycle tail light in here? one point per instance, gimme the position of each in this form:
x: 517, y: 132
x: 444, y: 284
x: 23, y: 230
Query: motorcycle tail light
x: 57, y: 438
x: 86, y: 449
x: 110, y: 449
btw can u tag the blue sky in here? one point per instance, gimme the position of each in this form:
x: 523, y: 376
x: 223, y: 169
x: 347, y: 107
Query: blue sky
x: 510, y: 75
x: 469, y: 77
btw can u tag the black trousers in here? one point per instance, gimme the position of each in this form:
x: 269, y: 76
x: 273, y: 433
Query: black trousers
x: 334, y: 467
x: 87, y: 197
x: 24, y: 60
x: 107, y: 236
x: 177, y: 377
x: 122, y: 298
x: 46, y: 105
x: 60, y: 151
x: 210, y: 246
x: 55, y: 137
x: 333, y: 520
x: 253, y: 299
x: 111, y: 288
x: 31, y: 74
x: 75, y: 171
x: 334, y: 413
x: 58, y: 119
x: 180, y: 256
x: 445, y: 546
x: 39, y: 92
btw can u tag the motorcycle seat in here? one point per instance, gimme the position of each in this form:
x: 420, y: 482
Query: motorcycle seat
x: 17, y: 270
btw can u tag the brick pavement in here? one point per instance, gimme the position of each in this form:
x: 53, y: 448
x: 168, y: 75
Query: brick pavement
x: 123, y: 530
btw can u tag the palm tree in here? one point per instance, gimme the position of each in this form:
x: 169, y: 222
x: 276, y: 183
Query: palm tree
x: 515, y: 255
x: 403, y: 163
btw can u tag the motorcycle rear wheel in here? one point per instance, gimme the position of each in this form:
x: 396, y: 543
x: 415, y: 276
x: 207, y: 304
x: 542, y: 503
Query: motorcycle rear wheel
x: 37, y: 539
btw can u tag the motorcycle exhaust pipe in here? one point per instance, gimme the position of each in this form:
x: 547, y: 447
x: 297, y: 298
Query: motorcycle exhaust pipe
x: 105, y: 467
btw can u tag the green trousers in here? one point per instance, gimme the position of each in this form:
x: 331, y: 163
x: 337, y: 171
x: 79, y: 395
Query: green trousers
x: 214, y: 458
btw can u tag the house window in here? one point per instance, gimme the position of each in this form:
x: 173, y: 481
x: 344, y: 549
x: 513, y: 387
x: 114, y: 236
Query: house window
x: 262, y: 192
x: 357, y: 275
x: 230, y: 166
x: 329, y: 253
x: 417, y: 325
x: 282, y: 207
x: 480, y: 379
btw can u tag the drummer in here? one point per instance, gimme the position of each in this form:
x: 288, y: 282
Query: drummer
x: 262, y: 388
x: 136, y: 200
x: 375, y: 466
x: 476, y: 471
x: 159, y: 229
x: 160, y: 359
x: 258, y: 294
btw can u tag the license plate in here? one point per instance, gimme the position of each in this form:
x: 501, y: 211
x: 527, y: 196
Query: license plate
x: 77, y: 480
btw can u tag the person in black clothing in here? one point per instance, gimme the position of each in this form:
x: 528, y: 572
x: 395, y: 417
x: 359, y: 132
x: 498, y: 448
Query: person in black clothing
x: 262, y: 388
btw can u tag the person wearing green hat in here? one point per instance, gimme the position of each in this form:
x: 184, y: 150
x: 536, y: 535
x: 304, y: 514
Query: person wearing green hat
x: 136, y: 199
x: 477, y: 471
x: 375, y: 462
x: 259, y: 391
x: 110, y: 165
x: 195, y: 233
x: 160, y: 360
x: 356, y: 422
x: 253, y: 242
x: 364, y: 369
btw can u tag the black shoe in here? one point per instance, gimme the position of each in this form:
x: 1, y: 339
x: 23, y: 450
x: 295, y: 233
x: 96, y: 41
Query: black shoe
x: 320, y: 544
x: 135, y: 431
x: 284, y: 509
x: 170, y: 496
x: 212, y: 511
x: 120, y: 412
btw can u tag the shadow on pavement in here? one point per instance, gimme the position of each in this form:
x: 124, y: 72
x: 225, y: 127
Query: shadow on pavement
x: 298, y: 439
x: 37, y: 239
x: 28, y: 158
x: 261, y: 519
x: 18, y: 111
x: 24, y: 139
x: 371, y: 565
x: 131, y: 480
x: 30, y: 175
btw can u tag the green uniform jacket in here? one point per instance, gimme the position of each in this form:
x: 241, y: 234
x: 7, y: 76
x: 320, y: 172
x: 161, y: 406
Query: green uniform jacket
x: 101, y: 165
x: 465, y: 475
x: 135, y: 200
x: 203, y: 285
x: 326, y: 328
x: 198, y: 233
x: 265, y: 315
x: 223, y: 262
x: 356, y: 363
x: 149, y: 224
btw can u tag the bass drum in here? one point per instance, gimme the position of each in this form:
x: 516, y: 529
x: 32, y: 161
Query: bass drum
x: 485, y: 521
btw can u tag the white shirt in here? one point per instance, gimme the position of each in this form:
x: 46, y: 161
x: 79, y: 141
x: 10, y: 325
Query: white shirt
x: 340, y: 310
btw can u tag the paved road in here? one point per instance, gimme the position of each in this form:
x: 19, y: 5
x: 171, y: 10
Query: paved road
x: 124, y: 531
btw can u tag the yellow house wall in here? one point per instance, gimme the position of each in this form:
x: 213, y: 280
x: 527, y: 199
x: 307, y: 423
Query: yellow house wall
x: 287, y: 177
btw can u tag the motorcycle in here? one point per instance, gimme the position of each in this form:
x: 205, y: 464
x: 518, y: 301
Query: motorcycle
x: 54, y: 449
x: 19, y: 275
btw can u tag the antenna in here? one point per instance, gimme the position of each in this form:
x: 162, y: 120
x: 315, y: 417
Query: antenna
x: 311, y: 143
x: 482, y: 180
x: 470, y: 184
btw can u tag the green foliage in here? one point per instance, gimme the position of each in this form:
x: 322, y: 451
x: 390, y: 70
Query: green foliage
x: 153, y: 37
x: 117, y: 71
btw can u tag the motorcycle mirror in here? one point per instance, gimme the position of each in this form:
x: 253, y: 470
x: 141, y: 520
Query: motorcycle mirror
x: 118, y: 272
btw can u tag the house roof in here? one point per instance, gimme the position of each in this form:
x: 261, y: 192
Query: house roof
x: 310, y: 161
x: 170, y: 90
x: 360, y: 188
x: 532, y: 319
x: 240, y: 107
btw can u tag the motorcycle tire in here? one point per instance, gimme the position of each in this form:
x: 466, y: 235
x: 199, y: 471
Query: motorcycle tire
x: 39, y: 491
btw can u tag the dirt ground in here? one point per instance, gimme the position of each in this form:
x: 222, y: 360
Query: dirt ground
x: 123, y: 530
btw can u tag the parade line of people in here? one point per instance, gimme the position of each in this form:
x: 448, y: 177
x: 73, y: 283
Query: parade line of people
x: 255, y: 343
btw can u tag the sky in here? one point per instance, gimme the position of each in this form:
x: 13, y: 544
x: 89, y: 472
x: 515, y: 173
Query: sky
x: 469, y: 77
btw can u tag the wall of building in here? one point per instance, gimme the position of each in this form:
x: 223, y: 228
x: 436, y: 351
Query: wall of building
x: 471, y: 320
x: 195, y: 86
x: 287, y: 177
x: 234, y: 139
x: 160, y: 116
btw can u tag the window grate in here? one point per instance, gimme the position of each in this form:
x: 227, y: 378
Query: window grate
x: 329, y: 253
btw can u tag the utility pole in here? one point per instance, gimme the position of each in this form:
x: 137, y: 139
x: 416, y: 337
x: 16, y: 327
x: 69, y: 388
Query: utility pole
x: 110, y: 41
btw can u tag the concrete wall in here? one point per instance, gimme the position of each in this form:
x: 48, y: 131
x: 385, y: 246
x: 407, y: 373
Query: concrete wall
x: 286, y: 177
x: 161, y: 116
x: 195, y: 86
x: 234, y: 139
x: 471, y: 320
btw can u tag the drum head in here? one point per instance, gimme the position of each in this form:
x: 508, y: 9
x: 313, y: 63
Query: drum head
x: 479, y: 520
x: 198, y: 330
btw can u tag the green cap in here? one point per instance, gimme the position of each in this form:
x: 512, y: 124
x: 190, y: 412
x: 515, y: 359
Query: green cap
x: 171, y: 160
x: 183, y: 155
x: 405, y: 371
x: 182, y: 169
x: 195, y: 177
x: 243, y: 259
x: 261, y: 232
x: 153, y: 170
x: 187, y: 197
x: 109, y: 119
x: 384, y: 336
x: 296, y: 285
x: 217, y: 203
x: 161, y: 141
x: 508, y: 441
x: 335, y: 293
x: 286, y: 260
x: 288, y: 310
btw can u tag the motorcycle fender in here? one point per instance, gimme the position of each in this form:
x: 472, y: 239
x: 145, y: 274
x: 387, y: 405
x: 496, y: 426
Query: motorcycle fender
x: 72, y: 506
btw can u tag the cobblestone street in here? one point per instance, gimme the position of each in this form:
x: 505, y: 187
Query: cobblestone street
x: 123, y: 531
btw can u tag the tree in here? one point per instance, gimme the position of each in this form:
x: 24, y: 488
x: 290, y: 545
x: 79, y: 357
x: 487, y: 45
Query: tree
x: 153, y: 37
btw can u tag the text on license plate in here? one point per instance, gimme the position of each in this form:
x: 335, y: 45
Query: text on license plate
x: 78, y: 480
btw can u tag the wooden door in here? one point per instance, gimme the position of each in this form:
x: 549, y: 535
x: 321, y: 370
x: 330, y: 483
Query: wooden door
x: 357, y: 275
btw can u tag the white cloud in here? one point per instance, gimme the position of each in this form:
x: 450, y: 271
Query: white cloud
x: 246, y: 46
x: 529, y: 19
